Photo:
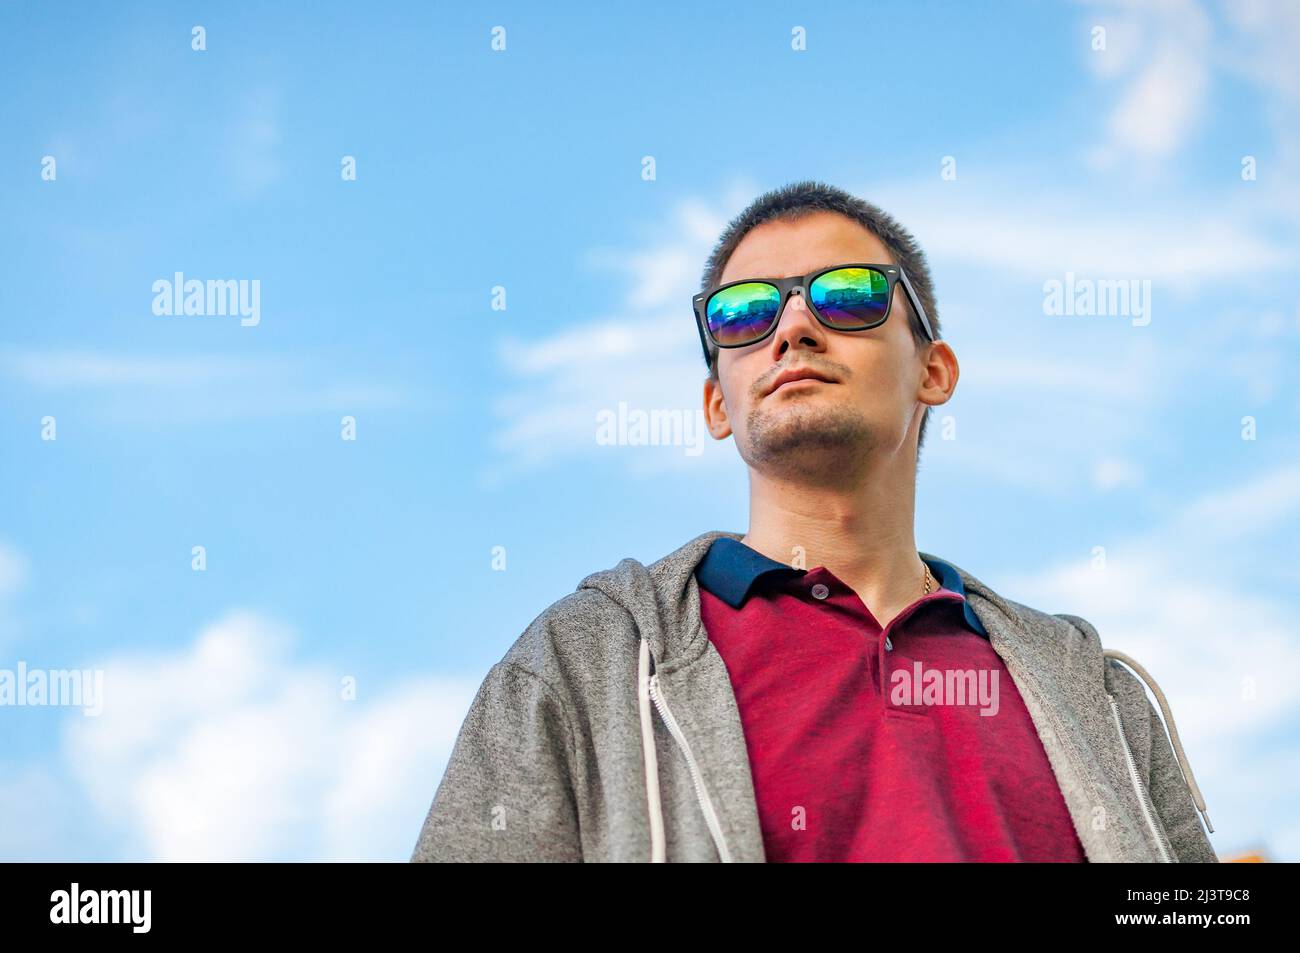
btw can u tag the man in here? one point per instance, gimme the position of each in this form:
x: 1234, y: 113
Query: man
x: 728, y: 703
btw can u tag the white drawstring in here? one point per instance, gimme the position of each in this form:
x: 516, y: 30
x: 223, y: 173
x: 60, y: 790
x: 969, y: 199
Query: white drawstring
x: 1183, y: 764
x: 657, y: 850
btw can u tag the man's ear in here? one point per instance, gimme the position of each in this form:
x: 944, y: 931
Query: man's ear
x: 939, y: 374
x: 715, y: 409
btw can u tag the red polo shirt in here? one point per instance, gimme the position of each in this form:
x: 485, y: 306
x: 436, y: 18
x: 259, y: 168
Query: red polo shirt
x: 903, y: 743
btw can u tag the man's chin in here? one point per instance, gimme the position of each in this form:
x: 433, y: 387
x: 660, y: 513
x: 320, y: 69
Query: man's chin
x: 785, y: 431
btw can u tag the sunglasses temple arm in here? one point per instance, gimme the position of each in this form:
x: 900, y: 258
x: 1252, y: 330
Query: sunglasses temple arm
x: 916, y: 304
x: 699, y: 327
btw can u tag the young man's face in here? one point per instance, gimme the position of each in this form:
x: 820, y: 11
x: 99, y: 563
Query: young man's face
x: 877, y: 381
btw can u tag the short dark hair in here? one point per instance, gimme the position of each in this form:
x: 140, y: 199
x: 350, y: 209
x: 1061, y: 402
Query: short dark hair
x: 799, y: 199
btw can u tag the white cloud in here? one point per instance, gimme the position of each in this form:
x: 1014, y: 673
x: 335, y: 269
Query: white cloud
x: 1165, y: 101
x: 1262, y: 48
x: 151, y: 390
x: 1268, y: 502
x: 1166, y: 57
x: 1110, y: 473
x: 88, y: 369
x: 14, y: 571
x: 1162, y: 51
x: 1038, y: 233
x: 35, y: 804
x: 233, y: 749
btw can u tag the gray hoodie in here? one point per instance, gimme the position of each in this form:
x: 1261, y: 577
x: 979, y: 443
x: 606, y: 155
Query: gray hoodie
x: 609, y: 732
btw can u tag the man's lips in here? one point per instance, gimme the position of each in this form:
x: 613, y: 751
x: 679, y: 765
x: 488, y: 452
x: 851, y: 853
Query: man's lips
x: 791, y: 374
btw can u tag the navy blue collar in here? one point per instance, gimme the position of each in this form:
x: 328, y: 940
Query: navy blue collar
x: 730, y: 570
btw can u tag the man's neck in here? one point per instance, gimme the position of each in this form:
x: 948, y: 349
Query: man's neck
x: 862, y: 533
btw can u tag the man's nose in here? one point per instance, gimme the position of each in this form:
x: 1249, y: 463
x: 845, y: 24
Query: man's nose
x: 796, y: 320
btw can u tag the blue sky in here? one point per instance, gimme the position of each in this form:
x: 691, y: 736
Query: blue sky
x: 224, y: 735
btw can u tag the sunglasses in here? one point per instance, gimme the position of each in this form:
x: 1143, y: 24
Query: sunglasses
x: 853, y: 297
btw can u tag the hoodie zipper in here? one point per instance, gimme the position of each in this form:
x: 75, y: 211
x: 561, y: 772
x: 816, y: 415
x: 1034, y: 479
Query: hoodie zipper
x: 1132, y: 766
x: 701, y: 794
x: 1143, y: 797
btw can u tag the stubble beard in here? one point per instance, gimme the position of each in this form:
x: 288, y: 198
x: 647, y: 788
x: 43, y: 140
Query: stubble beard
x: 807, y: 442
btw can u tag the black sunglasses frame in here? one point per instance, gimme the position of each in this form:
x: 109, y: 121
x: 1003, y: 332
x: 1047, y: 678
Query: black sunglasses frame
x: 894, y: 275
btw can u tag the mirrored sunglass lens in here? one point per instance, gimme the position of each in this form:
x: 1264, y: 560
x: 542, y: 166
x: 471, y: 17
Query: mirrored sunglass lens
x: 741, y: 313
x: 851, y: 297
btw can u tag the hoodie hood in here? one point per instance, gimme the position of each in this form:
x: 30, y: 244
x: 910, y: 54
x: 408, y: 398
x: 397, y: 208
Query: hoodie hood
x: 664, y: 599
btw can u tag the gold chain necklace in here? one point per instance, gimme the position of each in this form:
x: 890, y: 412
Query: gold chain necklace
x: 927, y: 576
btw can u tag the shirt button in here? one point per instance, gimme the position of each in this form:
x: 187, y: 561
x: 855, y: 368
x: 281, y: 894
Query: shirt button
x: 820, y: 591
